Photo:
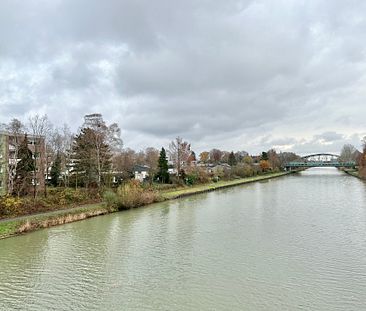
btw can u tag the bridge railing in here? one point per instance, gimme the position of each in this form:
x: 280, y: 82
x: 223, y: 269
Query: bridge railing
x: 320, y: 164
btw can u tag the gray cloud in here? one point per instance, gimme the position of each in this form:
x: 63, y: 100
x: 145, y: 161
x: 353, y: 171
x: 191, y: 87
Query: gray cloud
x: 237, y: 74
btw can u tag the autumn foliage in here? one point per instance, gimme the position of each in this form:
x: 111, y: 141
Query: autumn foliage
x: 264, y: 165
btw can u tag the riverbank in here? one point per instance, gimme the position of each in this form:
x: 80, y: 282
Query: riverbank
x: 187, y: 191
x: 352, y: 173
x: 21, y: 225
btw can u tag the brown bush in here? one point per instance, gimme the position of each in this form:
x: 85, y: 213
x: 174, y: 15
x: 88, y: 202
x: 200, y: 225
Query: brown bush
x: 132, y: 194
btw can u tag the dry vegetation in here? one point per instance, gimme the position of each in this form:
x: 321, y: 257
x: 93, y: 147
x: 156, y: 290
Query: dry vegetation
x: 131, y: 194
x: 57, y: 198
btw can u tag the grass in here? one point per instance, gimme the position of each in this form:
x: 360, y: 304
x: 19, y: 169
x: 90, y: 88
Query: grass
x: 185, y: 191
x: 352, y: 172
x: 8, y: 228
x: 25, y: 224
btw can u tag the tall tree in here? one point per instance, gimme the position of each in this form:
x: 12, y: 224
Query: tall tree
x: 152, y: 159
x: 264, y: 156
x: 347, y: 153
x: 179, y: 152
x: 232, y: 159
x: 25, y: 169
x: 103, y: 140
x: 215, y: 156
x: 40, y: 128
x: 273, y: 158
x: 56, y: 171
x: 91, y: 157
x: 285, y: 157
x: 60, y: 143
x: 162, y: 175
x: 124, y: 162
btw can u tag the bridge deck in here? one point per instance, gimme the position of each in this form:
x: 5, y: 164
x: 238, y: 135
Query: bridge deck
x: 321, y: 164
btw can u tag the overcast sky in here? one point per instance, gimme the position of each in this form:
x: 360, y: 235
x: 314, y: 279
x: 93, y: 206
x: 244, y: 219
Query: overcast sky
x: 237, y: 75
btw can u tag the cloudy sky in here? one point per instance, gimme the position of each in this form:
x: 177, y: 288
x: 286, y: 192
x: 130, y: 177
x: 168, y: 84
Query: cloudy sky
x: 238, y: 75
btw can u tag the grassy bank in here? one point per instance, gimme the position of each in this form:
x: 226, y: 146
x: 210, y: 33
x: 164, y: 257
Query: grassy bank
x: 30, y: 223
x: 186, y: 191
x: 352, y: 173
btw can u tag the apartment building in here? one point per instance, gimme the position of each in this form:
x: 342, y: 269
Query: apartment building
x: 9, y: 144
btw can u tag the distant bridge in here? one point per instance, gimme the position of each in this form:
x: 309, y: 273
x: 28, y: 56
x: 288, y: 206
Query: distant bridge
x: 319, y: 160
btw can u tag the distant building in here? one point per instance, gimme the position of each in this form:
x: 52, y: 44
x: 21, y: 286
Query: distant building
x: 141, y: 172
x: 8, y: 143
x: 172, y: 171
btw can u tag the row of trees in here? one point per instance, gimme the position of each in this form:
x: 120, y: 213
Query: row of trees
x: 350, y: 153
x: 95, y: 156
x: 40, y: 154
x: 28, y: 170
x: 361, y: 159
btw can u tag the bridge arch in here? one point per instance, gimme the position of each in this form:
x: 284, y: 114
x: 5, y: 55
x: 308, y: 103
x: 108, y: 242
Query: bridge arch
x: 321, y: 154
x: 319, y: 160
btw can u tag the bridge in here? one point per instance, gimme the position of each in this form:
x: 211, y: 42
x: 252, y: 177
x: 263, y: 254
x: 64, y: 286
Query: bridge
x: 319, y: 160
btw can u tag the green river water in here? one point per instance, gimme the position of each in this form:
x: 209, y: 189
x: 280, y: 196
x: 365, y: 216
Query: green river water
x: 293, y: 243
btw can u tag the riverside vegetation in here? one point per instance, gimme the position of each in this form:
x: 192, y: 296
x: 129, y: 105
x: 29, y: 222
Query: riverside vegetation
x: 129, y: 195
x: 90, y: 173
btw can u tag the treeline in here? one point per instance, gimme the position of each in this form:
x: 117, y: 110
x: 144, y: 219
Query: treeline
x: 94, y: 157
x: 350, y: 154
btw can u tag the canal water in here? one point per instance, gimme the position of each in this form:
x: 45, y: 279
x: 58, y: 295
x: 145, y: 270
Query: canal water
x: 293, y: 243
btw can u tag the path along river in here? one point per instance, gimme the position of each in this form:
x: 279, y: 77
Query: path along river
x: 293, y: 243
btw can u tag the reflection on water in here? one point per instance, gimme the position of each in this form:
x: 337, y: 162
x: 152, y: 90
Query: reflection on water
x: 294, y: 243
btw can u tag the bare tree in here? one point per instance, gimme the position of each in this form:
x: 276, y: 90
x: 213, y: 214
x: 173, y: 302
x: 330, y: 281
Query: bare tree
x: 123, y: 162
x: 102, y: 135
x: 347, y: 153
x: 60, y: 143
x: 40, y: 128
x: 215, y: 155
x: 151, y: 159
x: 179, y: 152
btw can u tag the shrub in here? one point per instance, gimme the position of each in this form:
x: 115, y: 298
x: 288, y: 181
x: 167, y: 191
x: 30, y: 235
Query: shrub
x: 243, y: 170
x: 132, y: 194
x: 10, y: 205
x: 191, y: 179
x: 110, y: 198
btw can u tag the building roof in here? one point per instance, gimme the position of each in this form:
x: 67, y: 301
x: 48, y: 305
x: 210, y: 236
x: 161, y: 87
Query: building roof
x: 5, y: 133
x: 141, y: 168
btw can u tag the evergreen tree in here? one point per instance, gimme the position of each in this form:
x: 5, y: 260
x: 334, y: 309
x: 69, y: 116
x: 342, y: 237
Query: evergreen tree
x: 264, y: 156
x: 232, y: 159
x: 91, y: 161
x: 56, y: 171
x: 162, y: 174
x: 25, y: 168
